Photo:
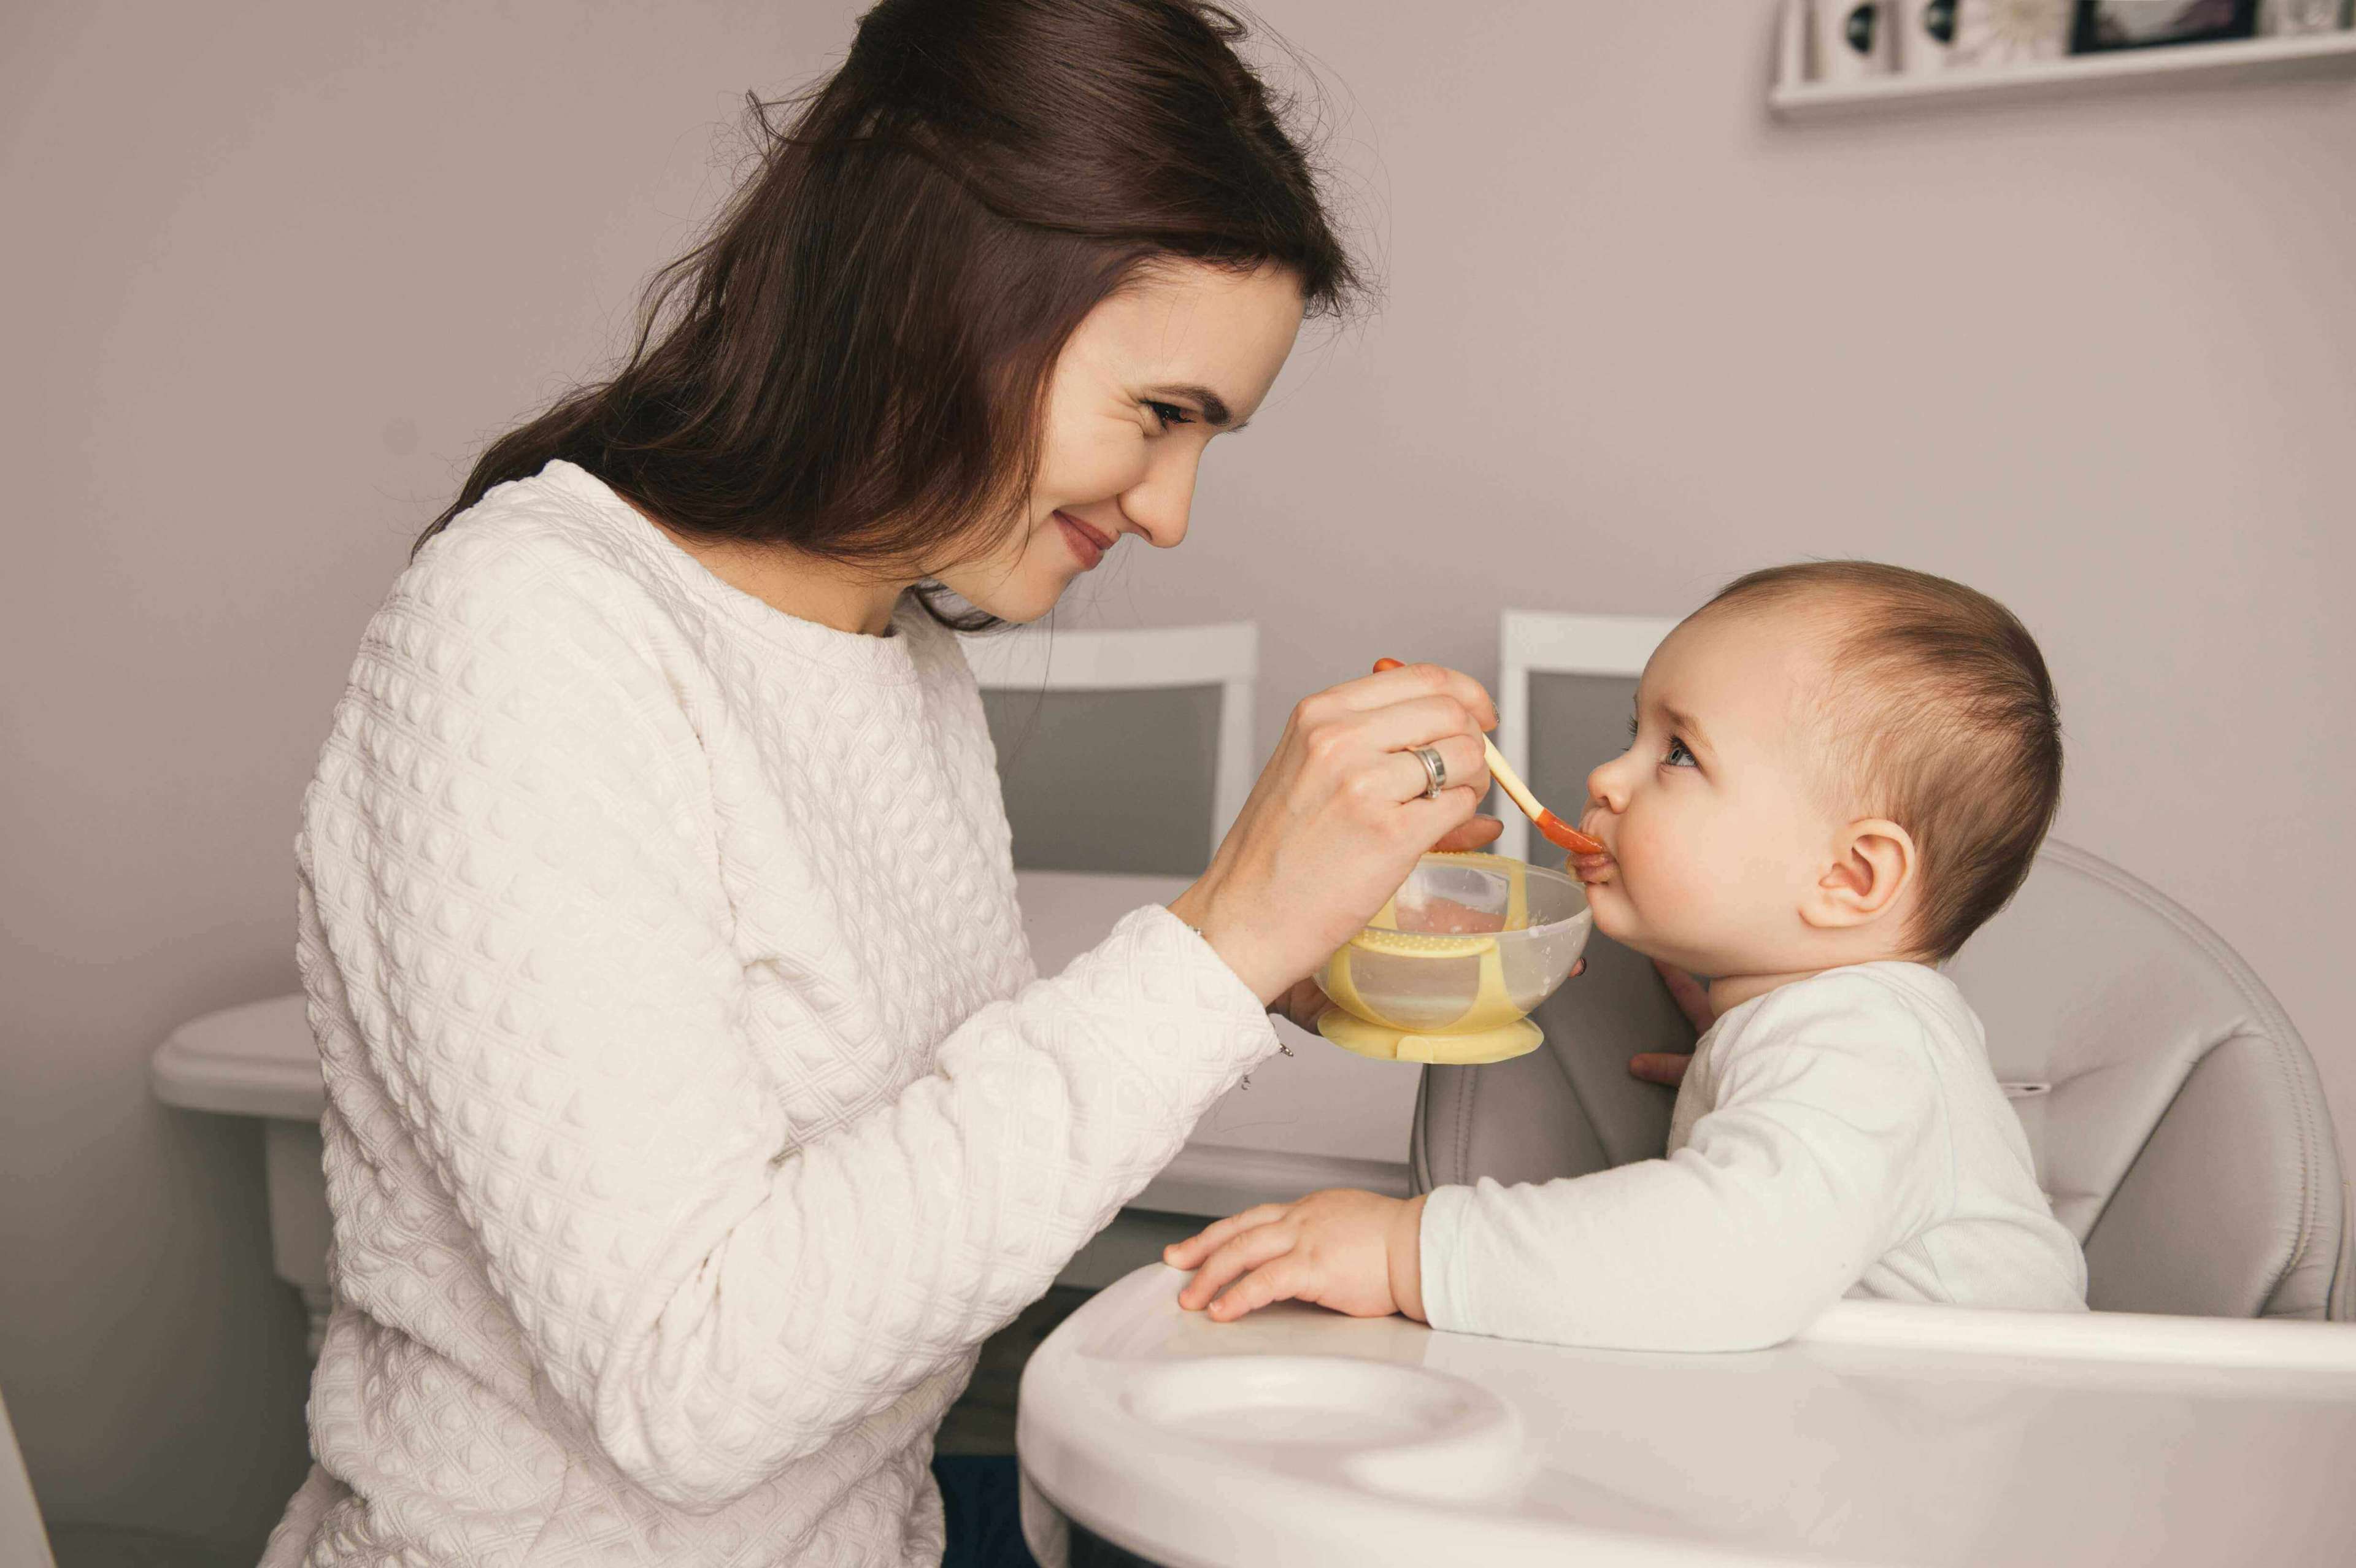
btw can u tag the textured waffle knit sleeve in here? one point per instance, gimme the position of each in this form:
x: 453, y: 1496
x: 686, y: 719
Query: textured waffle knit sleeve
x: 508, y: 847
x: 1827, y: 1147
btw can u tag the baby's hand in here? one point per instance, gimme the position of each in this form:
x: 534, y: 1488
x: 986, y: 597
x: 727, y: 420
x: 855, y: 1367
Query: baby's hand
x: 1357, y: 1252
x: 1668, y: 1067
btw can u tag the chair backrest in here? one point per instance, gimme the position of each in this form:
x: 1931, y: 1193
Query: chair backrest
x: 22, y: 1539
x: 1565, y: 686
x: 1122, y: 751
x: 2175, y: 1117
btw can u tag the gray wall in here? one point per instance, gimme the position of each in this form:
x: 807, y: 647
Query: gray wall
x: 277, y: 270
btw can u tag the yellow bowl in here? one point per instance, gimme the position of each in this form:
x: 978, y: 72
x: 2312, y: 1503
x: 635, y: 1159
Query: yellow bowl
x: 1452, y: 967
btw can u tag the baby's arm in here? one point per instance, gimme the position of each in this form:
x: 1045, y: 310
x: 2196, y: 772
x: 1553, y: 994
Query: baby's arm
x: 1828, y: 1147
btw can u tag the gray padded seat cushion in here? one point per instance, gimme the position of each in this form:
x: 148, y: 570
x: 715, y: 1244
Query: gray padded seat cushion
x: 2183, y: 1138
x: 1149, y: 759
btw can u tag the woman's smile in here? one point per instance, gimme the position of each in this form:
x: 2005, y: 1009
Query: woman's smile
x: 1087, y: 543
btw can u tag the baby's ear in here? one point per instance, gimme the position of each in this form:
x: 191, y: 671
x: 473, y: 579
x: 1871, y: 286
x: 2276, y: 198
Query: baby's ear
x: 1873, y: 864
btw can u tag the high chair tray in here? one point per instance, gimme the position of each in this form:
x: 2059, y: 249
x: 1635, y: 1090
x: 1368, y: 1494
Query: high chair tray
x: 1885, y: 1433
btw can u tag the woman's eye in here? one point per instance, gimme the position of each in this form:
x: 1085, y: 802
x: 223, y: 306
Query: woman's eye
x: 1677, y: 751
x: 1168, y: 414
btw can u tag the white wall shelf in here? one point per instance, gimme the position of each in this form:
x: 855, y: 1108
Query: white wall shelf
x: 1794, y: 97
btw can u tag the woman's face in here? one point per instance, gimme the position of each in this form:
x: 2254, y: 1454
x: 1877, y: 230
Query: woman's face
x: 1149, y: 376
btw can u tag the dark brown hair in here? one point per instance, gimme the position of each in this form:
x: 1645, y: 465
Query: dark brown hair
x: 1940, y: 718
x: 854, y: 361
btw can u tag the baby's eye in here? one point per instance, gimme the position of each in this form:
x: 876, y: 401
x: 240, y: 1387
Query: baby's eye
x: 1168, y: 414
x: 1677, y: 751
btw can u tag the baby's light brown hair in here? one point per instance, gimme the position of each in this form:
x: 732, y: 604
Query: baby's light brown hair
x: 1939, y: 716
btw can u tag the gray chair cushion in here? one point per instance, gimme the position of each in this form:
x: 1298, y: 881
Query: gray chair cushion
x: 2174, y: 1114
x: 1108, y: 781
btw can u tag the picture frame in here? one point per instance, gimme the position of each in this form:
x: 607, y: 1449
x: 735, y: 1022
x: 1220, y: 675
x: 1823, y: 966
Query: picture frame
x: 2301, y: 18
x: 2010, y: 32
x: 2105, y: 26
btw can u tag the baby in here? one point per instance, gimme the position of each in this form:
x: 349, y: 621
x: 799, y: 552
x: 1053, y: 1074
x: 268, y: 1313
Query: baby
x: 1839, y: 771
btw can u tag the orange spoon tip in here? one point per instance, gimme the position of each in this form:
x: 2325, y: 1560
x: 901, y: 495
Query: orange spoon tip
x: 1564, y: 836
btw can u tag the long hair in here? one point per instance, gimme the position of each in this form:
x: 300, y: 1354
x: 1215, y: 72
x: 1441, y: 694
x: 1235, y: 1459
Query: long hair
x: 854, y: 361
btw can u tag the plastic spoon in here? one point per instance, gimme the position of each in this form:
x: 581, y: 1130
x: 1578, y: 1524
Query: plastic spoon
x: 1557, y: 832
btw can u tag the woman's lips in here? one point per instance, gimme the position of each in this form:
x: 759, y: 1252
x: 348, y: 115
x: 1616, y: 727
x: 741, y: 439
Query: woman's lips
x: 1088, y: 544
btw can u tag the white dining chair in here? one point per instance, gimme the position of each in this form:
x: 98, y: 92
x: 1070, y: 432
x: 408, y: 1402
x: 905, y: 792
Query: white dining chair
x: 1565, y: 686
x: 1120, y: 750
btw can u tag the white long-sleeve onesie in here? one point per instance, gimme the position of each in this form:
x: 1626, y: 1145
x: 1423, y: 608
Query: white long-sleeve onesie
x: 694, y: 1110
x: 1839, y: 1136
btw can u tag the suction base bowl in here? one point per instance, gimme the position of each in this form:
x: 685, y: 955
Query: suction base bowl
x: 1351, y: 1032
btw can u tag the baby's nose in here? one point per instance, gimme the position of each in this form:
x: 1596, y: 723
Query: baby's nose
x: 1604, y: 788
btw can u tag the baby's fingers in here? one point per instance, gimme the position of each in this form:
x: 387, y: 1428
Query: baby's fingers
x: 1690, y: 994
x: 1664, y: 1067
x: 1248, y: 1251
x: 1281, y: 1280
x: 1197, y: 1247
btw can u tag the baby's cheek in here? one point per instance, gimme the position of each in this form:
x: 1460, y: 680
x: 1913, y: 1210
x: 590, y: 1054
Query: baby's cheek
x: 1661, y: 872
x: 1676, y: 888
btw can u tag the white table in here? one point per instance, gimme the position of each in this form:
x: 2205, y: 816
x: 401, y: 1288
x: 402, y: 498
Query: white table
x: 1321, y: 1117
x: 1886, y: 1434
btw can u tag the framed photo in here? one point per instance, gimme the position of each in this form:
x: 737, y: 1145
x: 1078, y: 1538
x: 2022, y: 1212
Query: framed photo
x: 2104, y: 25
x: 2009, y: 32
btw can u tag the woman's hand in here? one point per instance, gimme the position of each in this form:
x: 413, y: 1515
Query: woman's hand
x: 1336, y: 822
x: 1668, y: 1067
x: 1306, y: 1000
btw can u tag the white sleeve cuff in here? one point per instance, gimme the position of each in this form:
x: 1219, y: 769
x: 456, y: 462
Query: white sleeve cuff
x: 1439, y: 1246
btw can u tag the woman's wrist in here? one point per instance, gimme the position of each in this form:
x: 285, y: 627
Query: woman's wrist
x: 1190, y: 906
x: 1404, y: 1250
x: 1196, y: 909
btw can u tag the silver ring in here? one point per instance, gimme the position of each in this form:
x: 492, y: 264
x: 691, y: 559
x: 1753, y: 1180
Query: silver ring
x: 1435, y: 770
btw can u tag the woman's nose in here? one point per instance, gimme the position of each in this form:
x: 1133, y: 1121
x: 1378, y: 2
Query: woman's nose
x: 1158, y: 504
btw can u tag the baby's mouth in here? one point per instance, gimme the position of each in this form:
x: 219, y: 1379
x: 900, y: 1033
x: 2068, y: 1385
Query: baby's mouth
x: 1594, y: 869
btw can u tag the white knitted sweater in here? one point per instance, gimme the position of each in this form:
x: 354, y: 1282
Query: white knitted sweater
x: 694, y: 1110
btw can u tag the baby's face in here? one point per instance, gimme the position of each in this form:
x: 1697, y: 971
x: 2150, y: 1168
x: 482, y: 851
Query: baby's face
x: 1714, y: 818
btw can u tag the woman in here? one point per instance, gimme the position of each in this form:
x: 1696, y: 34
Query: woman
x: 694, y: 1109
